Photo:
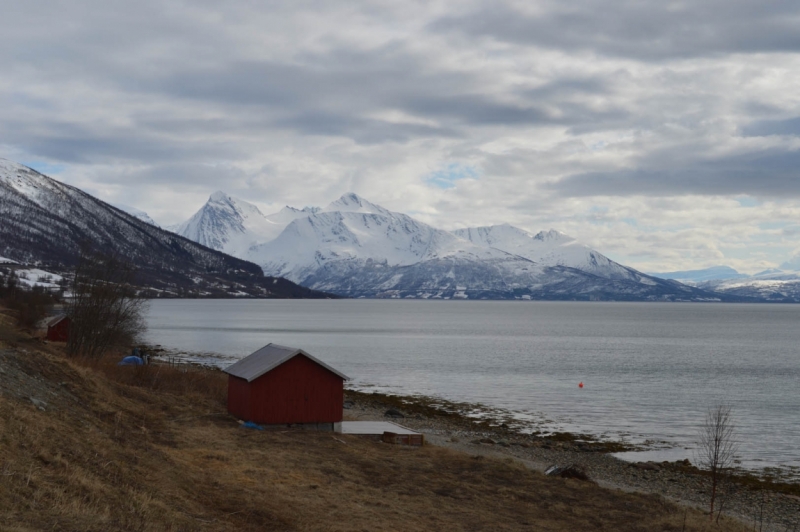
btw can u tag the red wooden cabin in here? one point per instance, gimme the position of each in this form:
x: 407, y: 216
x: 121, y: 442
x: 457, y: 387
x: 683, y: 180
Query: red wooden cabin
x: 284, y: 385
x: 58, y: 329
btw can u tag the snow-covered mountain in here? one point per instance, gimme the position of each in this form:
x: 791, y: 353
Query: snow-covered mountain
x: 368, y: 250
x: 775, y: 284
x: 357, y: 248
x: 694, y: 277
x: 44, y: 223
x: 233, y: 226
x: 770, y: 285
x: 549, y: 248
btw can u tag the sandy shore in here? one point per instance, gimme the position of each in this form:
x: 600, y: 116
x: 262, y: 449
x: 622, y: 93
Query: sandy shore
x: 769, y: 507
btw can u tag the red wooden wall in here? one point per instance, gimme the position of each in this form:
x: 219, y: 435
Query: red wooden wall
x: 297, y: 391
x: 59, y: 332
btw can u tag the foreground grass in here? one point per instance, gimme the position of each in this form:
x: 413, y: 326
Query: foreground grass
x: 152, y: 449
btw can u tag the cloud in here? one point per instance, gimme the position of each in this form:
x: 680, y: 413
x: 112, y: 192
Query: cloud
x: 629, y: 125
x: 763, y: 128
x: 644, y: 30
x: 768, y: 173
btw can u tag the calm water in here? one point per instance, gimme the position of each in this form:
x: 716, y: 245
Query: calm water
x: 650, y: 370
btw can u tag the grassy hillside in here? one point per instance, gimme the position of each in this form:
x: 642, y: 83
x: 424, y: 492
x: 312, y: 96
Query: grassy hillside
x: 99, y: 447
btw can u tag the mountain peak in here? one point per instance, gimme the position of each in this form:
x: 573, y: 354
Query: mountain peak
x: 352, y: 202
x: 552, y: 235
x: 219, y: 196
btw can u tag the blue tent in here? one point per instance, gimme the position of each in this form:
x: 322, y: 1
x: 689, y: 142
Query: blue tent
x: 131, y: 361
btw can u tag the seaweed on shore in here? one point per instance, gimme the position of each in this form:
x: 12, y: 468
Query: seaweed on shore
x: 477, y: 417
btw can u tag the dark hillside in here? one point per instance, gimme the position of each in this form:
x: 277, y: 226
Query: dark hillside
x: 45, y: 222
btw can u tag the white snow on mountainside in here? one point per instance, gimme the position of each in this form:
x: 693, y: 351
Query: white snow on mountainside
x: 549, y: 248
x: 133, y: 211
x: 45, y: 224
x: 357, y: 248
x: 353, y: 203
x: 694, y: 277
x: 364, y: 232
x: 769, y: 285
x: 228, y: 224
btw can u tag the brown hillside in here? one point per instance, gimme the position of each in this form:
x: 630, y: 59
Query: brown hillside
x: 99, y: 447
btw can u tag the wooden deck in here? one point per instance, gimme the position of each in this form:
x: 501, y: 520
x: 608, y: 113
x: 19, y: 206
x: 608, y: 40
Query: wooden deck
x: 372, y: 428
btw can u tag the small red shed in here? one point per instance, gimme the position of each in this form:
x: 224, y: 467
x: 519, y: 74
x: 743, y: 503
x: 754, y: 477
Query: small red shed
x: 58, y: 329
x: 284, y: 385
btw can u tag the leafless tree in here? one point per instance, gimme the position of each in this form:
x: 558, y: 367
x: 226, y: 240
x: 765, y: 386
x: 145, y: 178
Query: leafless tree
x: 717, y: 448
x: 104, y: 308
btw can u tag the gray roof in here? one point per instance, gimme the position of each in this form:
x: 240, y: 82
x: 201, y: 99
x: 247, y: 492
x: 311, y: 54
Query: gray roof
x: 269, y: 357
x: 53, y: 322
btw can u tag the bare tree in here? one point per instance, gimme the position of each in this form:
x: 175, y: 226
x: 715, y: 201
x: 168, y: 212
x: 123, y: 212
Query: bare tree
x: 104, y: 308
x: 717, y: 448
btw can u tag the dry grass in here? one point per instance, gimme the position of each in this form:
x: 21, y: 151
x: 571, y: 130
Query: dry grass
x: 148, y: 450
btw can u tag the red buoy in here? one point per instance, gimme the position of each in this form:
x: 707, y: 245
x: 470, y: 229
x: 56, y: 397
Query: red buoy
x: 580, y: 385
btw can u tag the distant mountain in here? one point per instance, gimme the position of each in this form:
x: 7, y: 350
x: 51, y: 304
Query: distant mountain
x: 357, y: 248
x: 771, y: 285
x: 714, y: 273
x: 549, y: 248
x: 233, y: 225
x: 45, y: 223
x: 133, y: 211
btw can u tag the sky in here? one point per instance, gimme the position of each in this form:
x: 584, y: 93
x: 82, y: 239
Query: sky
x: 664, y: 134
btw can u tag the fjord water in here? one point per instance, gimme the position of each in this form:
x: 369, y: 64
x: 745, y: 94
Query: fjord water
x: 650, y: 370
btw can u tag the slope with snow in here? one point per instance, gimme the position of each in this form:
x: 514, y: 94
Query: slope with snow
x: 45, y: 223
x: 551, y: 248
x: 361, y: 236
x: 694, y: 277
x: 133, y: 211
x: 233, y: 226
x: 770, y: 285
x: 357, y: 248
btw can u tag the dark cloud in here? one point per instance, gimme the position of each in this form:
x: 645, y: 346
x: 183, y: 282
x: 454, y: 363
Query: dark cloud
x: 769, y: 173
x: 763, y: 128
x: 362, y: 131
x: 171, y: 85
x: 647, y: 30
x: 335, y: 92
x: 84, y: 144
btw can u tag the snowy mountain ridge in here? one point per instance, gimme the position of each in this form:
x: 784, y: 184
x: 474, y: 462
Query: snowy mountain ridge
x: 549, y: 248
x: 357, y: 248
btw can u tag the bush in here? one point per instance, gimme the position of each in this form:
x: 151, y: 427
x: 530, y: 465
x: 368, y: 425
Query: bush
x: 31, y: 305
x: 104, y: 308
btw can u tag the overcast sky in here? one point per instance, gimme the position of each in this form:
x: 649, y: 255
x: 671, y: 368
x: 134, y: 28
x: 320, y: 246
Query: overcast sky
x: 665, y: 134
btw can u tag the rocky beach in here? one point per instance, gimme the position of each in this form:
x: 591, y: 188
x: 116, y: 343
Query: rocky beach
x: 764, y: 505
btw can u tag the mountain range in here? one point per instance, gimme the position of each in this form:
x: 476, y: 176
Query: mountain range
x: 351, y: 247
x: 45, y: 223
x: 355, y: 248
x: 780, y: 285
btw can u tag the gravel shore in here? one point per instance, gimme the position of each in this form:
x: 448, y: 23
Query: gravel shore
x: 760, y: 506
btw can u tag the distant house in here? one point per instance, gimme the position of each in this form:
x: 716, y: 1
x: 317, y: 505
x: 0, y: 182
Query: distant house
x: 285, y: 385
x: 58, y: 328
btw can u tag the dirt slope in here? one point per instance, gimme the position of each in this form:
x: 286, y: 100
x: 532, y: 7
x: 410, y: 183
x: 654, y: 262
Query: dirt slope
x: 97, y: 448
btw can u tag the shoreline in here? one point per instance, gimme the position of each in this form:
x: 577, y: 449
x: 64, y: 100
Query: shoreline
x: 678, y: 481
x: 493, y: 433
x: 492, y: 417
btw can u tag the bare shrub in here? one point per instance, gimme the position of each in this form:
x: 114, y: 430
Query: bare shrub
x: 104, y: 308
x: 30, y: 304
x: 717, y: 448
